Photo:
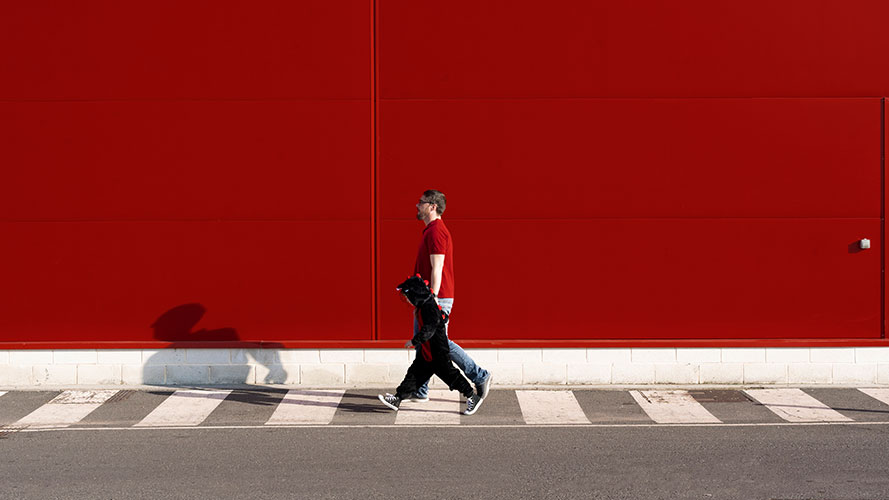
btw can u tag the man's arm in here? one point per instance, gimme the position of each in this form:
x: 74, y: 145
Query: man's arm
x: 437, y: 260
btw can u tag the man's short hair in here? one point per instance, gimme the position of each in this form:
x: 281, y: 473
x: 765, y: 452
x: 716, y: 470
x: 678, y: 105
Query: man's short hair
x: 436, y: 197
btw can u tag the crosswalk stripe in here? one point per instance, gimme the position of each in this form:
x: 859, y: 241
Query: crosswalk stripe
x: 184, y: 407
x: 673, y: 407
x: 188, y: 408
x: 443, y: 408
x: 794, y: 405
x: 550, y: 407
x: 881, y: 395
x: 306, y: 407
x: 66, y: 409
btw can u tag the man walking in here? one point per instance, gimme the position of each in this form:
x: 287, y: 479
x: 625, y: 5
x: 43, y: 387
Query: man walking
x: 435, y: 263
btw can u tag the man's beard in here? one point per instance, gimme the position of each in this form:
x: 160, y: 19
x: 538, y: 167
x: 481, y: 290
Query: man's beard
x: 419, y: 216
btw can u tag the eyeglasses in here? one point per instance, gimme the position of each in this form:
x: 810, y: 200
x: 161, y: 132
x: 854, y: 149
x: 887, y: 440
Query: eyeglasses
x: 424, y: 201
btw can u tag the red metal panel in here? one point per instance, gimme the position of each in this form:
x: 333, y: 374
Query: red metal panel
x: 467, y: 343
x: 581, y: 158
x: 203, y: 163
x: 184, y: 160
x: 253, y: 280
x: 644, y: 48
x: 650, y: 278
x: 577, y: 220
x: 104, y: 49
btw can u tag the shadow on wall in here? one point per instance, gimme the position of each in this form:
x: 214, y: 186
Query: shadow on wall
x: 176, y: 327
x: 176, y: 324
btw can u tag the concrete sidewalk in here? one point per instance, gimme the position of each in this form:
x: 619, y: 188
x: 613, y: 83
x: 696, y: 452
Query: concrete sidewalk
x: 840, y: 366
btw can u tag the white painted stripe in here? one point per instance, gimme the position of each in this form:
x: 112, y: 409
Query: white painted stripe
x: 184, y: 407
x: 794, y: 405
x: 66, y: 409
x: 440, y: 426
x: 444, y: 407
x: 306, y: 407
x: 881, y: 395
x: 673, y: 407
x: 550, y: 407
x: 3, y: 392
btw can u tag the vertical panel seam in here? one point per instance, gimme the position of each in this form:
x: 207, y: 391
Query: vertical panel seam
x: 375, y: 219
x: 883, y: 218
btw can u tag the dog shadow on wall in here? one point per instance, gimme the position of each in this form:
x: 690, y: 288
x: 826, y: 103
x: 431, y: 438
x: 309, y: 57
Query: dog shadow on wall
x: 233, y: 366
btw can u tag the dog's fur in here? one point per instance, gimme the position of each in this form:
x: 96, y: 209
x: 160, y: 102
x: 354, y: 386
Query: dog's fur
x: 431, y: 318
x: 434, y: 355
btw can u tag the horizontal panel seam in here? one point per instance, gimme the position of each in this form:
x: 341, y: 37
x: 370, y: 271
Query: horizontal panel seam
x: 433, y: 99
x: 875, y: 218
x: 149, y: 221
x: 625, y: 98
x: 481, y: 219
x: 235, y: 99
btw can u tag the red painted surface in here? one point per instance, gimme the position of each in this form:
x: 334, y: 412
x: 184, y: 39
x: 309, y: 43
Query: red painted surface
x: 636, y: 48
x: 468, y: 343
x: 171, y: 50
x: 203, y: 162
x: 247, y: 173
x: 634, y: 158
x: 184, y: 160
x: 255, y: 280
x: 654, y: 278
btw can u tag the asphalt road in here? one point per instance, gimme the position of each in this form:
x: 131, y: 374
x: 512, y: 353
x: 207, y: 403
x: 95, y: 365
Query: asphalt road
x: 221, y: 445
x: 744, y: 462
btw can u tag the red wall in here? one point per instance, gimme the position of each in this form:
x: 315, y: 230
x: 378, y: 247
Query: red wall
x: 214, y: 153
x: 615, y: 170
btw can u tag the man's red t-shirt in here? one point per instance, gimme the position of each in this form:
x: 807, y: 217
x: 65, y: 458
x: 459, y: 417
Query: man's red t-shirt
x: 437, y: 240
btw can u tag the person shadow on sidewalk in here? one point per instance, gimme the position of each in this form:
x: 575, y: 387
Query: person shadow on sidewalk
x: 171, y: 368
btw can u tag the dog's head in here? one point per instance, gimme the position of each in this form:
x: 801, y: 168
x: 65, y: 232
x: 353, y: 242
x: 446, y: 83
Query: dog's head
x: 415, y: 290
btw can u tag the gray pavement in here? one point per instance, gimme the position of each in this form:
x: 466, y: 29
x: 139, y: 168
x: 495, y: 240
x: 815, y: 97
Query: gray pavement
x: 799, y: 462
x: 752, y: 453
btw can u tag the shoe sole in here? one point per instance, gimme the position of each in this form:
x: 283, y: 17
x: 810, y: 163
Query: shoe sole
x: 417, y: 400
x: 383, y: 400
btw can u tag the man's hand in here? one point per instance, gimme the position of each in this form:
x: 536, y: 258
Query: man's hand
x: 408, y: 344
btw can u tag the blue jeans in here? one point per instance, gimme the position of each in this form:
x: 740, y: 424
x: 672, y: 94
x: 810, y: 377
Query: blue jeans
x: 476, y: 374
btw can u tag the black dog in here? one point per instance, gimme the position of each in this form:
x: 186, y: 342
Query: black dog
x: 431, y: 318
x: 434, y: 354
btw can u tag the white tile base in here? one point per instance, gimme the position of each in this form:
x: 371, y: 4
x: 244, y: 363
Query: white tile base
x: 315, y: 368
